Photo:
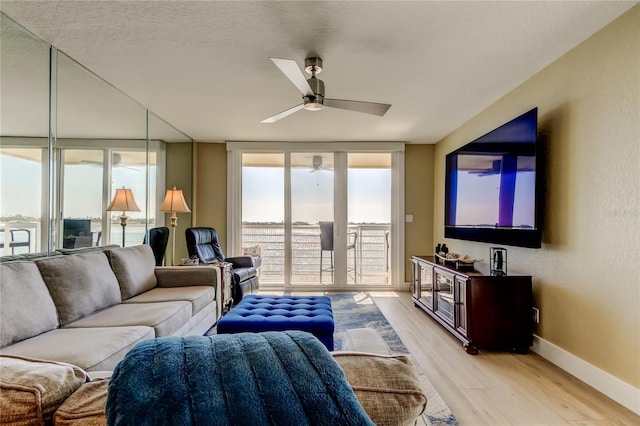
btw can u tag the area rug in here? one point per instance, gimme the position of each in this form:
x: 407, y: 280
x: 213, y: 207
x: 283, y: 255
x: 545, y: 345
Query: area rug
x: 358, y: 310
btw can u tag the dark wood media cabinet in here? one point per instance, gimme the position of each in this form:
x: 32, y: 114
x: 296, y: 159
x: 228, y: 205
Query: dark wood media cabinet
x: 483, y: 311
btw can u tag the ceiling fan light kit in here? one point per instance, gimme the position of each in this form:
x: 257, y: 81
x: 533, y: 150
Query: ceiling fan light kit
x: 313, y: 91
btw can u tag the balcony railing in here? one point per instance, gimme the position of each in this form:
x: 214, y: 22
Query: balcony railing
x: 371, y: 254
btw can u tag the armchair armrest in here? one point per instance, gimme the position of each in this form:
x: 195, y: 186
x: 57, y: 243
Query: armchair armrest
x: 243, y: 262
x: 183, y: 276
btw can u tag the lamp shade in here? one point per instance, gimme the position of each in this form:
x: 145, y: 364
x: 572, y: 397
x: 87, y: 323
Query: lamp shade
x: 174, y: 202
x: 123, y: 201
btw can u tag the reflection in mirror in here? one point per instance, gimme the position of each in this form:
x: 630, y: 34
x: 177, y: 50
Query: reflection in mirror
x: 58, y: 177
x: 101, y: 145
x: 174, y: 169
x: 24, y: 112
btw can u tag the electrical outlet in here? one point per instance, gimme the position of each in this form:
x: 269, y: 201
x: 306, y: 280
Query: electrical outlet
x: 536, y: 315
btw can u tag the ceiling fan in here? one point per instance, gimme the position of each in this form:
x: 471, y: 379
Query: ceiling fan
x: 316, y: 165
x: 313, y: 91
x: 116, y: 161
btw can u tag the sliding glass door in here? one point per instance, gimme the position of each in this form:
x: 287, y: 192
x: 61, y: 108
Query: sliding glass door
x: 369, y: 205
x: 312, y: 202
x: 263, y: 213
x: 318, y: 218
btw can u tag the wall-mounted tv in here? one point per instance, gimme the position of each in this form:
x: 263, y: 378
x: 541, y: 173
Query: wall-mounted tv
x: 491, y: 189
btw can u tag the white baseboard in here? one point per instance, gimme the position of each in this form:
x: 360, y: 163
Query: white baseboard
x: 616, y: 389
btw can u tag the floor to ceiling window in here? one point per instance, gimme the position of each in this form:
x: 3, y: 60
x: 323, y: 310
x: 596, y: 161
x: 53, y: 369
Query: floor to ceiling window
x: 22, y: 171
x: 88, y: 181
x: 263, y: 212
x: 312, y: 203
x: 369, y: 215
x: 319, y: 218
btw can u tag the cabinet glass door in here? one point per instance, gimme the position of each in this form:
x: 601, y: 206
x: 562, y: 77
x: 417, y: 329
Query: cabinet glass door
x: 415, y: 278
x: 444, y: 302
x: 426, y: 285
x: 461, y: 310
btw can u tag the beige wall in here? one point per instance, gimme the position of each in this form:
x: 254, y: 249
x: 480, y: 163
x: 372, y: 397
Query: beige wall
x: 418, y: 201
x: 210, y: 167
x: 179, y: 175
x: 587, y: 274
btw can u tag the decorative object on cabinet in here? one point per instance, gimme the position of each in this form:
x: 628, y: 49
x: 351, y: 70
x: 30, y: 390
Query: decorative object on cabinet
x: 480, y: 309
x: 174, y: 202
x: 456, y: 260
x: 498, y: 261
x: 123, y: 201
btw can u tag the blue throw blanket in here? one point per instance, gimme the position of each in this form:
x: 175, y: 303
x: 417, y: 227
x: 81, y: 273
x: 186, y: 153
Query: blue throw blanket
x: 272, y: 378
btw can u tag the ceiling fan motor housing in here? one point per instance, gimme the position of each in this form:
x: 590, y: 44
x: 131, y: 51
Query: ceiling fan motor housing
x: 314, y: 103
x: 313, y: 65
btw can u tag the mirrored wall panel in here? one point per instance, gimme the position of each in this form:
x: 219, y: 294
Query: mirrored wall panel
x: 24, y: 141
x: 82, y: 164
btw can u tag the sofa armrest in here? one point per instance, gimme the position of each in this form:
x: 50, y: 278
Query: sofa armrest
x: 184, y: 276
x: 243, y: 262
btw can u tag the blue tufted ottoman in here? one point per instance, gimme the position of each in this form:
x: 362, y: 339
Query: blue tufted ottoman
x: 255, y: 314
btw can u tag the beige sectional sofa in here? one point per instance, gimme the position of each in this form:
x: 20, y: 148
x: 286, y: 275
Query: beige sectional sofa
x: 67, y: 320
x: 89, y: 309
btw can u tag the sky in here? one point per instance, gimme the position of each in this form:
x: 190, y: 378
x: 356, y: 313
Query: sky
x: 312, y: 195
x: 83, y: 188
x: 263, y: 192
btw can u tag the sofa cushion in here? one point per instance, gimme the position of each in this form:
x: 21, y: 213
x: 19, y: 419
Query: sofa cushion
x: 85, y: 407
x: 165, y: 317
x: 198, y: 296
x: 25, y: 303
x: 80, y: 284
x: 134, y: 269
x: 32, y: 389
x: 88, y: 348
x: 387, y: 386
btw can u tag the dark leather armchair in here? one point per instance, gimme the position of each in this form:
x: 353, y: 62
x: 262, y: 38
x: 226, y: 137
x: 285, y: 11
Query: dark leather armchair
x: 158, y: 239
x: 203, y: 243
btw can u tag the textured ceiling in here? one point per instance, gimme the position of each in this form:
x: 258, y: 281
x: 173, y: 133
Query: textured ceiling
x: 204, y: 66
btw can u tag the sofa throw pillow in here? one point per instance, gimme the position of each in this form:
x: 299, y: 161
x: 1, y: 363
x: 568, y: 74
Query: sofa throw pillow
x: 85, y: 407
x: 387, y: 386
x: 26, y: 305
x: 31, y: 390
x: 80, y: 284
x: 134, y: 267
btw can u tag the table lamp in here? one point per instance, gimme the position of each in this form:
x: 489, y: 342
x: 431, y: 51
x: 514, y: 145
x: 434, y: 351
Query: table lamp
x: 174, y: 202
x: 123, y: 201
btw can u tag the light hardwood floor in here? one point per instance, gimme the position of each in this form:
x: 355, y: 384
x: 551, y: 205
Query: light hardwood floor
x: 496, y: 388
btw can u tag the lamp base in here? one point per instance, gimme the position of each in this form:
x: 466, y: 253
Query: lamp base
x: 123, y: 223
x: 174, y: 223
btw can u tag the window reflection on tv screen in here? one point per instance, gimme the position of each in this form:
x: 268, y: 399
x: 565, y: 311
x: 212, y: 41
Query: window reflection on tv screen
x: 489, y: 196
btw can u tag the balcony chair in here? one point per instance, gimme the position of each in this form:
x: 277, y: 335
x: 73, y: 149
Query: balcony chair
x: 16, y: 241
x: 326, y: 244
x: 203, y: 243
x: 158, y: 239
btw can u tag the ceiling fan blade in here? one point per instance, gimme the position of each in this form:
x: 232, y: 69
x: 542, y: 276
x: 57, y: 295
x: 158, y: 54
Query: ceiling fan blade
x: 366, y: 107
x: 290, y: 68
x: 283, y: 114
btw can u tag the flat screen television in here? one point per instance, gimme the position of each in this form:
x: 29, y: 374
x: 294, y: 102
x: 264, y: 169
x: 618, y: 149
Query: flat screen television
x: 76, y: 227
x: 492, y: 192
